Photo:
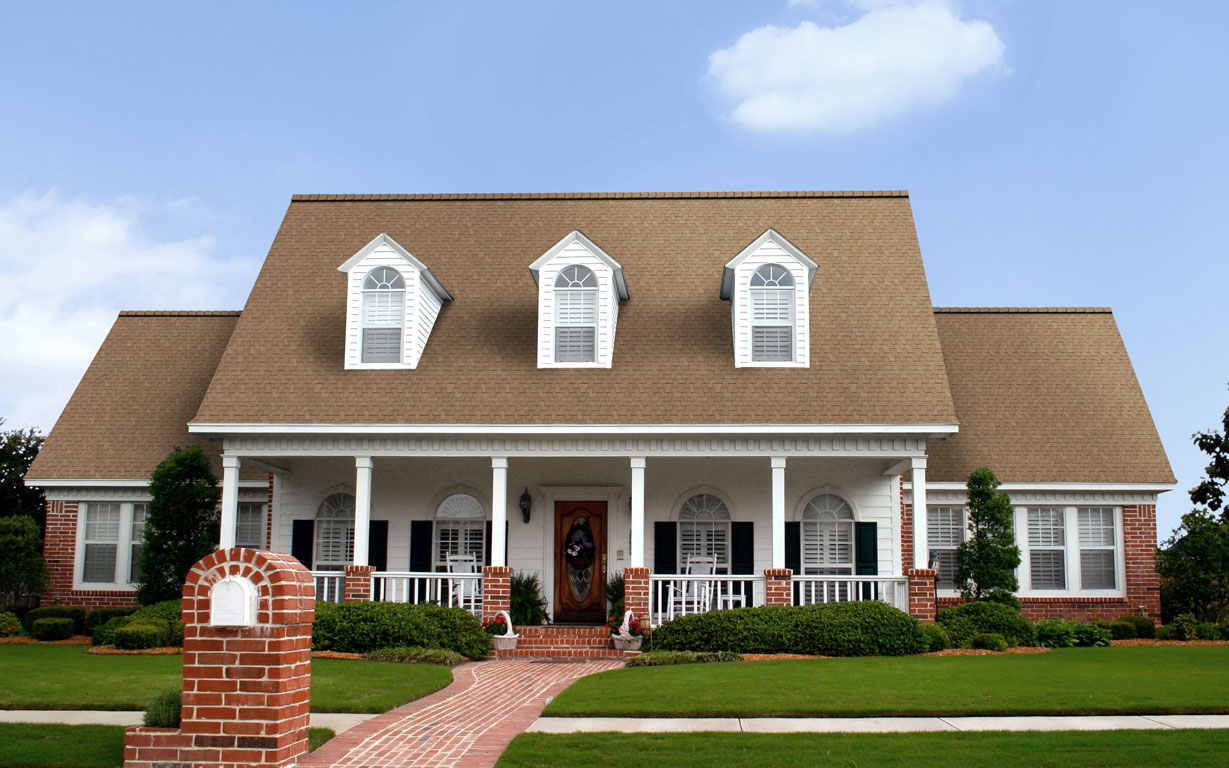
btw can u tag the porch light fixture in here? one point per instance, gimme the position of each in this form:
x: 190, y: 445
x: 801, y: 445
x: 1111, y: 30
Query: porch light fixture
x: 526, y: 504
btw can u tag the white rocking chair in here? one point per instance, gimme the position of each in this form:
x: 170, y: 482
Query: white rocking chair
x: 693, y: 596
x: 463, y: 591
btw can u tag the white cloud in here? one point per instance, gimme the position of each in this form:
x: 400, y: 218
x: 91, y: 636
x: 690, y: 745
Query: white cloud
x: 895, y: 58
x: 66, y: 269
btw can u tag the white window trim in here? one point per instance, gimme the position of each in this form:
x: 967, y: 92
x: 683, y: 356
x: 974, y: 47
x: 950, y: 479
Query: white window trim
x: 440, y: 522
x: 264, y: 518
x: 576, y: 249
x: 965, y: 532
x: 1071, y: 558
x: 736, y: 287
x: 596, y: 325
x: 406, y: 323
x: 123, y: 552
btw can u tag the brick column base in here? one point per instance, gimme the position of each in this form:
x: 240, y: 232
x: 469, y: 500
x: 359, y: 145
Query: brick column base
x: 358, y: 583
x: 778, y: 586
x: 496, y: 590
x: 922, y: 594
x: 636, y: 593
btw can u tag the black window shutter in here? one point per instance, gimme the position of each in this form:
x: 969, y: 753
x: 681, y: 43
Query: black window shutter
x: 302, y: 541
x: 742, y: 548
x: 793, y: 547
x: 486, y: 546
x: 665, y: 547
x: 421, y: 535
x: 866, y: 557
x: 377, y: 544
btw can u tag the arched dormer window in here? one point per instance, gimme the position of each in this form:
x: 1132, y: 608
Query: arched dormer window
x: 576, y: 315
x: 460, y: 530
x: 772, y: 315
x: 827, y: 535
x: 704, y: 531
x: 767, y: 285
x: 335, y: 533
x: 383, y: 315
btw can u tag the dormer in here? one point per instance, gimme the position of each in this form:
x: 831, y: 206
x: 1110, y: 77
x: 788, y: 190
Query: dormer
x: 767, y: 285
x: 579, y: 290
x: 392, y: 300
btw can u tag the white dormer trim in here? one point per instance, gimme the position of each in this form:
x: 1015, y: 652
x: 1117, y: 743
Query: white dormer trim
x: 577, y: 250
x: 769, y: 248
x: 424, y: 295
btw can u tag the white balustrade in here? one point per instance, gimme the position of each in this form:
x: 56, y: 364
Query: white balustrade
x: 455, y: 590
x: 817, y: 590
x: 330, y: 586
x: 675, y: 595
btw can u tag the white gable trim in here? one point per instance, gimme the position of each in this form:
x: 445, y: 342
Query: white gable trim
x: 430, y: 280
x: 727, y: 276
x: 576, y: 236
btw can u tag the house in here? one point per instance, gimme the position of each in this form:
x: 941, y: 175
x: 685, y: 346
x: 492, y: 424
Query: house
x: 730, y: 398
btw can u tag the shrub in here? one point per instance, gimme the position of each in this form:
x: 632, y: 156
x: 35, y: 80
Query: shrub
x: 1165, y: 632
x: 181, y: 523
x: 1143, y: 625
x: 10, y: 625
x: 937, y: 638
x: 1184, y: 627
x: 163, y: 711
x: 143, y: 633
x: 526, y: 606
x: 615, y: 590
x: 73, y: 612
x: 1122, y: 630
x: 988, y: 641
x: 974, y: 618
x: 365, y: 627
x: 53, y: 628
x: 668, y: 658
x: 100, y: 616
x: 1055, y: 633
x: 1091, y: 636
x: 1206, y: 630
x: 867, y: 628
x: 416, y: 656
x: 23, y: 571
x: 104, y: 634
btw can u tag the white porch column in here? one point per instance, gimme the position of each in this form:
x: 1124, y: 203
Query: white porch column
x: 230, y: 501
x: 362, y: 508
x: 499, y: 512
x: 778, y: 511
x: 921, y: 547
x: 637, y: 560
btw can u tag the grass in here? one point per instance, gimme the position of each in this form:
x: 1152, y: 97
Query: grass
x: 1126, y: 680
x: 43, y: 745
x: 1063, y: 749
x: 66, y: 677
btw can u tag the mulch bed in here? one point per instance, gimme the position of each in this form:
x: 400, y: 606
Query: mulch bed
x: 111, y: 650
x: 336, y: 655
x: 27, y: 640
x: 1147, y: 641
x: 776, y: 656
x: 982, y: 652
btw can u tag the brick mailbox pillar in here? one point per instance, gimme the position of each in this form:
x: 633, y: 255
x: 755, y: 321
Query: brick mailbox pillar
x: 778, y: 586
x: 636, y: 593
x: 496, y: 590
x: 922, y: 594
x: 246, y: 667
x: 357, y: 588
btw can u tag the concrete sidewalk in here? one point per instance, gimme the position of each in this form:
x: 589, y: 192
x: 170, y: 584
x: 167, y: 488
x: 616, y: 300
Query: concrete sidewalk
x: 871, y: 724
x: 338, y: 722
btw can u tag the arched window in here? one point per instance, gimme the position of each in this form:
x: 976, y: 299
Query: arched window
x: 575, y: 315
x: 383, y: 315
x: 704, y: 531
x: 335, y: 533
x: 772, y: 314
x: 827, y: 535
x: 460, y: 529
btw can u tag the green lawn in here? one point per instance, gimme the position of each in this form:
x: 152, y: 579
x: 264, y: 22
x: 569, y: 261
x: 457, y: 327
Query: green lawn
x: 1127, y: 680
x: 1068, y: 749
x: 66, y: 677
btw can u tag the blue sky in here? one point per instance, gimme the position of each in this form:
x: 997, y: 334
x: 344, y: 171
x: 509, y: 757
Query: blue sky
x: 1056, y: 153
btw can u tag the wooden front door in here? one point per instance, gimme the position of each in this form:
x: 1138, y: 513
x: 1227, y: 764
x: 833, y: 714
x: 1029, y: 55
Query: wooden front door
x: 580, y: 561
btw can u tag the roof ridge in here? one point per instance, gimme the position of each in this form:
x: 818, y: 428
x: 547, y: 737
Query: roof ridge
x: 180, y: 313
x: 1024, y: 310
x: 317, y: 198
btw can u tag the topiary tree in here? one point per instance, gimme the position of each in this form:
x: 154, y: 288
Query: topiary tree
x: 23, y: 571
x: 988, y: 559
x: 181, y: 524
x: 1194, y: 567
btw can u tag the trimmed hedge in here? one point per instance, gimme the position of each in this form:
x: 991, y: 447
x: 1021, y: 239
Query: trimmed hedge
x: 10, y: 625
x: 989, y: 641
x: 139, y: 634
x: 1122, y: 630
x: 365, y: 627
x: 1143, y: 625
x: 964, y: 621
x: 52, y: 628
x: 74, y: 612
x: 937, y: 638
x: 867, y: 628
x: 669, y: 658
x: 416, y: 656
x: 100, y: 616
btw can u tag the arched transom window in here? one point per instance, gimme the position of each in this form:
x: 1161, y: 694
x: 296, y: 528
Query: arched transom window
x: 772, y: 314
x: 827, y: 535
x: 704, y: 531
x: 383, y: 315
x: 335, y: 532
x: 460, y: 530
x: 575, y: 315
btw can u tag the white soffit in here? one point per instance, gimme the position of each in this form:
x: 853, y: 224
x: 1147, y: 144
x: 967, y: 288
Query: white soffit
x: 727, y: 276
x: 576, y: 236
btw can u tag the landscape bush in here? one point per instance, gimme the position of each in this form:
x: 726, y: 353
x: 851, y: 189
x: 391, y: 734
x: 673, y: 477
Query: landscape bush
x: 104, y: 634
x: 937, y: 638
x: 164, y: 710
x: 52, y: 628
x: 1143, y: 625
x: 1165, y: 632
x: 1091, y: 636
x: 988, y: 641
x: 964, y: 621
x: 74, y: 612
x: 10, y: 625
x: 416, y: 656
x: 866, y: 628
x: 1183, y: 627
x: 1055, y: 633
x: 365, y: 627
x: 1122, y: 630
x: 670, y: 658
x: 139, y: 634
x: 100, y: 616
x: 1207, y: 630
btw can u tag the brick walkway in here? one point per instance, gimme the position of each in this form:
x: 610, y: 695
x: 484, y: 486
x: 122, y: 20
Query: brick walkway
x: 467, y: 725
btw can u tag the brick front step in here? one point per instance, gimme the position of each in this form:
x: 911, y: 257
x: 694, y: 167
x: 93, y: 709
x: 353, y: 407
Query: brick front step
x: 564, y: 642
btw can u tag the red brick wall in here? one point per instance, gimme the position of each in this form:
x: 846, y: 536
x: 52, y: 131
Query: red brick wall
x: 922, y: 604
x: 60, y: 552
x: 636, y: 593
x: 778, y: 586
x: 496, y: 591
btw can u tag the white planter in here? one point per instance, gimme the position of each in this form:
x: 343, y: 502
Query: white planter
x: 627, y: 645
x: 503, y: 643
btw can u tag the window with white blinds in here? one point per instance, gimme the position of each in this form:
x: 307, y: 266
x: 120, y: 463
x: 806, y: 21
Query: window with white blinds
x: 1098, y: 542
x: 1047, y: 548
x: 335, y: 533
x: 136, y: 538
x: 460, y: 529
x: 250, y: 525
x: 383, y: 316
x: 827, y: 535
x: 704, y: 531
x: 772, y: 314
x: 575, y: 315
x: 102, y: 539
x: 945, y: 529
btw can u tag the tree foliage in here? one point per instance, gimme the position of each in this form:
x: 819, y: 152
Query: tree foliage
x: 1194, y: 567
x: 988, y: 558
x: 1211, y: 490
x: 18, y: 447
x: 22, y: 569
x: 181, y: 524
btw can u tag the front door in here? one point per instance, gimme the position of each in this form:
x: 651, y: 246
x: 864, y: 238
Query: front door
x: 580, y: 561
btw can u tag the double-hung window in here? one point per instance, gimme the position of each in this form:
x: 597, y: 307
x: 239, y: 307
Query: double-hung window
x: 250, y: 525
x: 137, y: 529
x: 772, y: 314
x: 383, y: 315
x: 944, y: 533
x: 575, y: 315
x: 1047, y: 543
x: 111, y: 536
x: 1098, y: 541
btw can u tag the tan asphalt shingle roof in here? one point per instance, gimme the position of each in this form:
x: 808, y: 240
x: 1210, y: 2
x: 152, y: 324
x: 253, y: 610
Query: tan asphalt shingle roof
x: 1044, y: 395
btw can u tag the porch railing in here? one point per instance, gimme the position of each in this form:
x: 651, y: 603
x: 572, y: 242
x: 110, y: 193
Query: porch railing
x: 330, y: 586
x: 456, y: 590
x: 675, y: 595
x: 816, y: 590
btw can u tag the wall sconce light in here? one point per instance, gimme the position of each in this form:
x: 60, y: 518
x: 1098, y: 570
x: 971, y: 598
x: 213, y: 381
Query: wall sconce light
x: 526, y: 505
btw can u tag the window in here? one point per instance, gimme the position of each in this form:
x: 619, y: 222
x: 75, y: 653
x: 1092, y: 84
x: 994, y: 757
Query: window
x: 827, y: 535
x: 460, y: 529
x: 1047, y: 548
x: 102, y: 529
x: 335, y: 533
x: 772, y: 314
x: 137, y: 540
x: 1097, y: 547
x: 383, y: 315
x: 704, y: 531
x: 250, y: 525
x: 944, y: 533
x: 575, y: 315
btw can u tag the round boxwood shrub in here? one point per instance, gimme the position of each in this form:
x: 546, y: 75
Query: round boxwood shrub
x: 10, y: 625
x: 54, y: 628
x: 104, y: 634
x: 964, y: 621
x: 365, y: 627
x: 74, y: 612
x: 937, y: 638
x: 138, y: 634
x: 1165, y: 632
x: 1122, y: 630
x: 100, y: 616
x: 988, y: 641
x: 1144, y: 627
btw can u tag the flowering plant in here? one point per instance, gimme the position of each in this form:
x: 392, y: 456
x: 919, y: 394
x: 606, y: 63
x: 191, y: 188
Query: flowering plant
x: 615, y: 625
x: 495, y: 626
x: 579, y: 545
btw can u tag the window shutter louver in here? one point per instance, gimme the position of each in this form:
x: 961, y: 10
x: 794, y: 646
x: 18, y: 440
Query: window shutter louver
x: 665, y: 545
x: 1047, y: 569
x: 575, y: 345
x: 302, y: 538
x: 1097, y: 548
x: 576, y: 326
x: 383, y: 322
x: 772, y: 344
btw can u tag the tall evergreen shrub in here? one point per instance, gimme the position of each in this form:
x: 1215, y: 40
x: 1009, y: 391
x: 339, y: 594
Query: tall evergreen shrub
x: 988, y: 558
x: 181, y: 524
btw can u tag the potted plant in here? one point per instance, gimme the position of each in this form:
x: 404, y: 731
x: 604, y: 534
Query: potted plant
x: 499, y: 627
x: 626, y: 632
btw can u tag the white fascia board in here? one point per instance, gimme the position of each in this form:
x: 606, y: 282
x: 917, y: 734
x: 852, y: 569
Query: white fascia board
x: 61, y: 482
x: 727, y: 276
x: 576, y: 236
x: 1067, y: 486
x: 927, y: 430
x: 383, y: 239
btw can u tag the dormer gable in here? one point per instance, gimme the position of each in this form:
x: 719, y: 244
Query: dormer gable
x: 392, y: 300
x: 767, y: 285
x: 579, y: 290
